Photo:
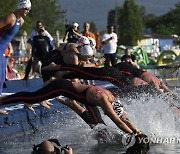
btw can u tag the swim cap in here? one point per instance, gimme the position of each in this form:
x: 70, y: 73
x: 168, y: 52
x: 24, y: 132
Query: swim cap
x: 24, y: 4
x: 84, y: 40
x: 75, y: 24
x: 86, y: 50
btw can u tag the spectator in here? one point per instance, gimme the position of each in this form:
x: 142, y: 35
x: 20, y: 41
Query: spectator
x: 86, y: 31
x: 128, y: 57
x: 41, y: 47
x: 109, y: 44
x: 39, y: 26
x: 98, y: 42
x: 72, y: 35
x: 11, y: 73
x: 51, y: 146
x: 9, y: 26
x: 47, y: 39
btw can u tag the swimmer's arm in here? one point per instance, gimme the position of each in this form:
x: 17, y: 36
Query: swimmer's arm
x: 78, y: 34
x: 65, y: 37
x: 165, y: 87
x: 9, y: 20
x: 107, y: 108
x: 96, y: 64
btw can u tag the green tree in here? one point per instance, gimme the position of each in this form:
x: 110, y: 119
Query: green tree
x: 113, y: 17
x: 93, y: 28
x: 130, y: 24
x: 167, y: 24
x: 49, y: 12
x: 7, y: 7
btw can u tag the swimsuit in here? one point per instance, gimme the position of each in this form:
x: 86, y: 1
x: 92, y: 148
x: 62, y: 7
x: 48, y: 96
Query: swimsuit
x: 118, y: 107
x: 90, y: 73
x: 52, y: 90
x: 129, y: 69
x: 4, y: 41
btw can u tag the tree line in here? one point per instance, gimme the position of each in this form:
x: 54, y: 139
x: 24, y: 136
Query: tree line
x: 131, y: 20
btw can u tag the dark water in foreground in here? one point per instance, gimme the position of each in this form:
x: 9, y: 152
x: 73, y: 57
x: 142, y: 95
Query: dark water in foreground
x: 152, y: 115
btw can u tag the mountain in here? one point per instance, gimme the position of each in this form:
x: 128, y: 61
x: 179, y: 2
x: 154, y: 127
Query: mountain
x: 97, y: 10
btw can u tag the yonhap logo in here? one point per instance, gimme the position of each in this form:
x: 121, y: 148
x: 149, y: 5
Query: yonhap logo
x: 128, y: 140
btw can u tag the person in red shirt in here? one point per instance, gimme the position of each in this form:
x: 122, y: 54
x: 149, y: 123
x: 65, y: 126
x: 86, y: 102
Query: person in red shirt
x: 86, y: 31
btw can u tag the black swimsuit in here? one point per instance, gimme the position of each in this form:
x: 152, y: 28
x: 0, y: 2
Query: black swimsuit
x: 90, y: 73
x: 129, y: 69
x: 56, y: 57
x: 53, y: 89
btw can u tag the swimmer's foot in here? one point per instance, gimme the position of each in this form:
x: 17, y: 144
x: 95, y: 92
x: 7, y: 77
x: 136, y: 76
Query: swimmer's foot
x: 46, y: 104
x: 49, y: 103
x: 50, y: 67
x: 71, y: 104
x: 29, y: 106
x: 3, y: 111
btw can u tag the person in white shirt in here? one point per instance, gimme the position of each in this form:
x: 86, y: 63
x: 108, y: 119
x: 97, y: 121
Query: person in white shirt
x: 109, y: 44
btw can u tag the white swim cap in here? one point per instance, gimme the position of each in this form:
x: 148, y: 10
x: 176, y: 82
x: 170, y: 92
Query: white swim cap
x: 24, y: 4
x: 75, y: 24
x: 86, y: 50
x: 84, y: 40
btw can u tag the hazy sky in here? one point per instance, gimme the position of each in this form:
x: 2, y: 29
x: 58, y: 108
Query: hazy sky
x: 97, y: 10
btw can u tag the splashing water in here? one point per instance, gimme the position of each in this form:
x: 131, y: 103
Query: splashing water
x: 155, y: 115
x: 151, y: 114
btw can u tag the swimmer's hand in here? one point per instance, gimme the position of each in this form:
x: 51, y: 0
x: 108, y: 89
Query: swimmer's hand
x: 100, y: 61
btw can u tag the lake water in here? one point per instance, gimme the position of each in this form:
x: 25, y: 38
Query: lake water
x: 152, y: 115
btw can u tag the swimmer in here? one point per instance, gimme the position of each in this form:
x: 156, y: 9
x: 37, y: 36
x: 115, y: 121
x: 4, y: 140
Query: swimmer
x: 128, y: 84
x: 144, y: 75
x: 127, y: 75
x: 86, y: 94
x: 70, y: 53
x: 76, y: 54
x: 110, y: 74
x: 9, y: 27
